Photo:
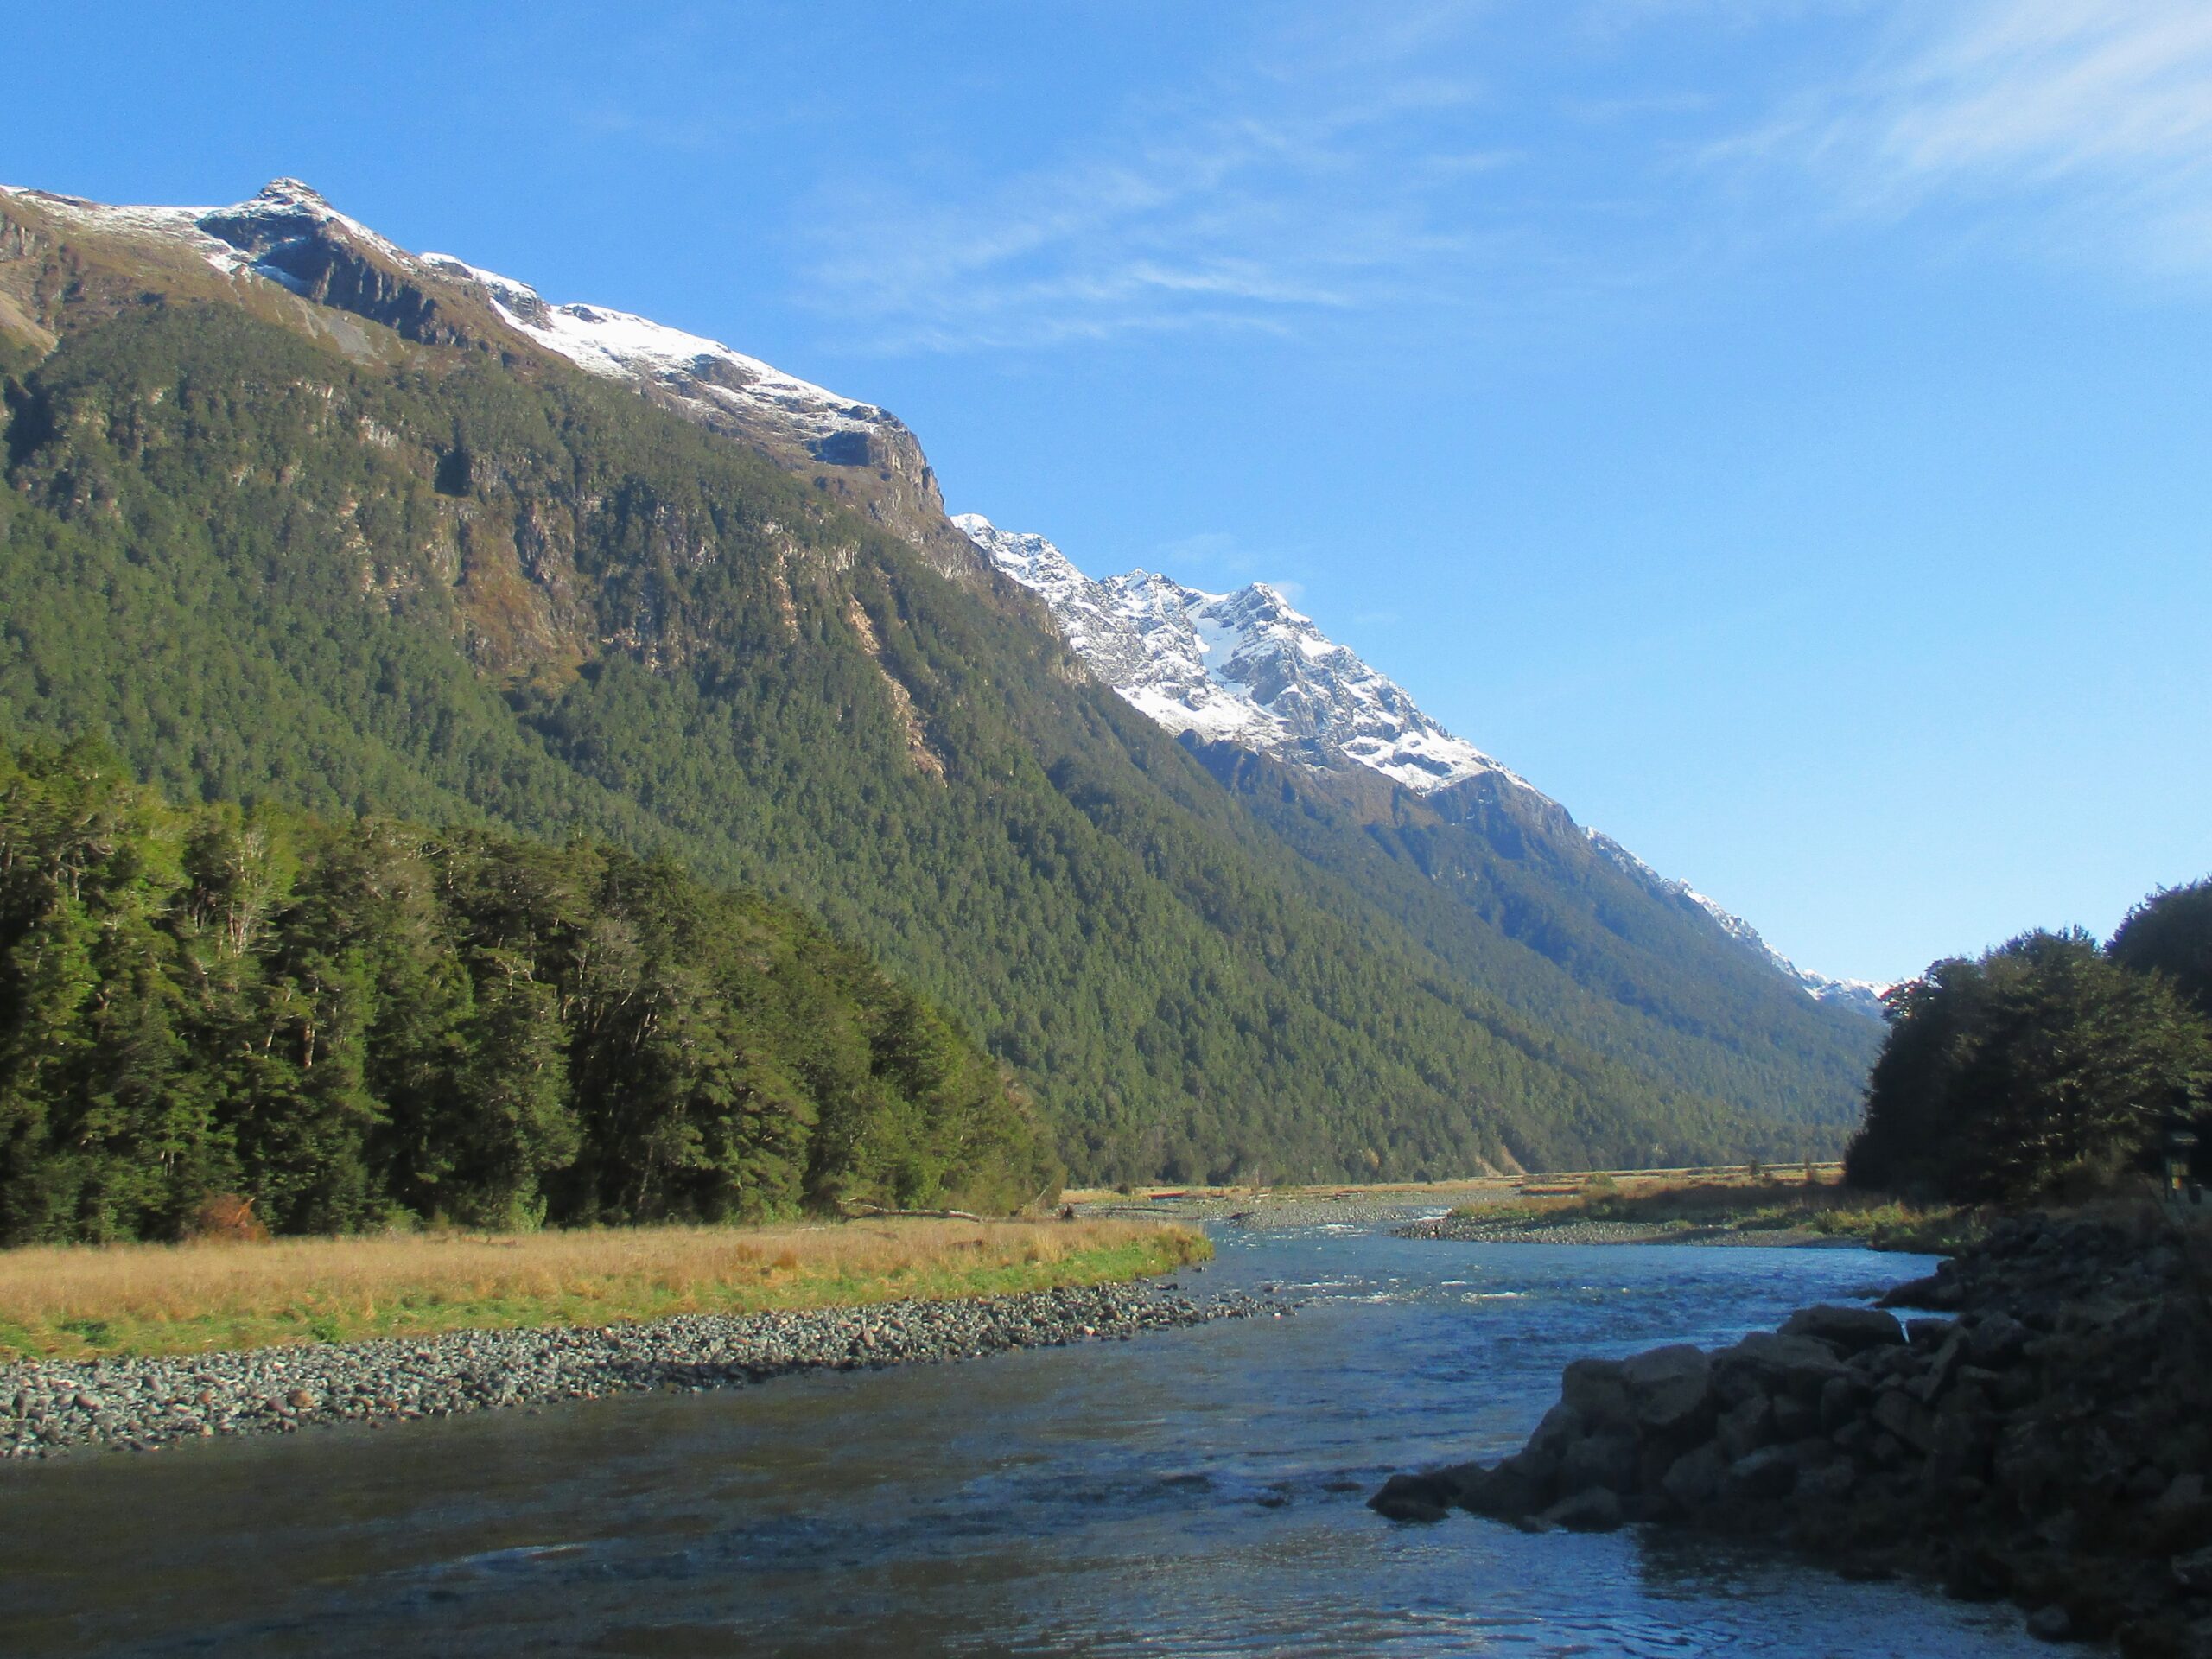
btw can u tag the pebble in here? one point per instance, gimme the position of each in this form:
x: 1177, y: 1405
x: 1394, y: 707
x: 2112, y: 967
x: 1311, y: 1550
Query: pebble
x: 144, y: 1404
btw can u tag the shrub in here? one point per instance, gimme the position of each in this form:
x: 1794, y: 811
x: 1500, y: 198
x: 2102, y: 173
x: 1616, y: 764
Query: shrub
x: 227, y: 1217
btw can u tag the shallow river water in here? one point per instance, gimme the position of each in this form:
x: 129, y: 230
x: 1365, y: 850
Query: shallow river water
x: 1197, y: 1491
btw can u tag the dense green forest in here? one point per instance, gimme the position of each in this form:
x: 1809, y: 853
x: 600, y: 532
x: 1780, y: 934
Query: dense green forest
x: 358, y: 1021
x: 1500, y: 884
x: 2049, y: 1066
x: 477, y: 588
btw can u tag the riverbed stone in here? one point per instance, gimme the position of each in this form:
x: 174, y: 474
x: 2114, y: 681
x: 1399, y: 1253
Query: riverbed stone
x: 1669, y: 1389
x: 2193, y: 1572
x: 1898, y: 1413
x: 1594, y: 1509
x: 2052, y: 1624
x: 1606, y: 1459
x: 1502, y: 1492
x: 2048, y: 1443
x: 1766, y: 1361
x: 1846, y: 1330
x: 1745, y: 1427
x: 1769, y: 1472
x: 1424, y: 1499
x: 1694, y: 1479
x: 1828, y: 1483
x: 1595, y: 1388
x: 1997, y: 1341
x: 1560, y: 1427
x: 1842, y: 1399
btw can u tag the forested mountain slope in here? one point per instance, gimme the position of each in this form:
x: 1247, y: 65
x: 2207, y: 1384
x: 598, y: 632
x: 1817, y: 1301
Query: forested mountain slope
x: 350, y: 541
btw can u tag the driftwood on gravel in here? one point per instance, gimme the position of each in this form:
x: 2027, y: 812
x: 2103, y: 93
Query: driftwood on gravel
x: 925, y: 1215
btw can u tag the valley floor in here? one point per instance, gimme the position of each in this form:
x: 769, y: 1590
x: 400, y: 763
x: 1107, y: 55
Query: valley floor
x: 1802, y: 1205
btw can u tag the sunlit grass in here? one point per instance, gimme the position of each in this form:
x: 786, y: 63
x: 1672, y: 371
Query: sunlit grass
x: 84, y: 1302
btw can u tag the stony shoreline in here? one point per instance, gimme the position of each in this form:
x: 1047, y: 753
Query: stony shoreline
x: 1510, y: 1230
x: 2046, y: 1440
x: 1265, y: 1210
x: 51, y: 1407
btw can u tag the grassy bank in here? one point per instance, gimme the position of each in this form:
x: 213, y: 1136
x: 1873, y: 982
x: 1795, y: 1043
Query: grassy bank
x: 1793, y: 1200
x: 84, y: 1303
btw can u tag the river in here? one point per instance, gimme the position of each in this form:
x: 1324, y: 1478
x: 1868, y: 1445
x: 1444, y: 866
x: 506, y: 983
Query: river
x: 1194, y: 1492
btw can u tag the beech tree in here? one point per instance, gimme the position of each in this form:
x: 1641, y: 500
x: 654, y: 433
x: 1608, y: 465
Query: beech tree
x: 357, y: 1022
x: 2045, y: 1065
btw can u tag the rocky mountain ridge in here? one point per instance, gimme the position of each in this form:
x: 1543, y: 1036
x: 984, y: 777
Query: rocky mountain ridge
x: 1862, y: 996
x: 1246, y: 668
x: 287, y: 234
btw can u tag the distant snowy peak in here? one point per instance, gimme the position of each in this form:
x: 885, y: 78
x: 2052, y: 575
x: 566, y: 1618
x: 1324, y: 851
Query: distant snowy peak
x: 1243, y: 668
x: 618, y: 345
x: 1246, y: 668
x: 1864, y: 995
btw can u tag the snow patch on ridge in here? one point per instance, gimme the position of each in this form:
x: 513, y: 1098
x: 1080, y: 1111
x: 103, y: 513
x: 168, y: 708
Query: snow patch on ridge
x: 250, y: 237
x: 621, y: 346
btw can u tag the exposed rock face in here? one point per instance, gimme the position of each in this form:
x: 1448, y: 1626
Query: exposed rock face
x: 857, y: 452
x: 295, y: 238
x: 2050, y: 1443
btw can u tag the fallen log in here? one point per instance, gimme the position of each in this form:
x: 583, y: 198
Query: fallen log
x: 925, y: 1215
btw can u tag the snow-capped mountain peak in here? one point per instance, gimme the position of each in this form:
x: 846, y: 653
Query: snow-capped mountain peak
x: 1244, y: 667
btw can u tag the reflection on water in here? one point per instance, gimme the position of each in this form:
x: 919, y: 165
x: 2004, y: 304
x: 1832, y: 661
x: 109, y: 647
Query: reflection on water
x: 1192, y: 1492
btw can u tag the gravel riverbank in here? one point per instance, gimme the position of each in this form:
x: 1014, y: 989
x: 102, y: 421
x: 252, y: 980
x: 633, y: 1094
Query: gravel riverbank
x: 144, y: 1404
x: 1475, y: 1230
x: 1264, y: 1211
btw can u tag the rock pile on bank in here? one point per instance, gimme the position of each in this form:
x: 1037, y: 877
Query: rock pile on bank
x: 141, y: 1404
x: 2049, y: 1438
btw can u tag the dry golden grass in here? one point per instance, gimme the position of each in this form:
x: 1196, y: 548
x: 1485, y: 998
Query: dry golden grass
x: 77, y: 1302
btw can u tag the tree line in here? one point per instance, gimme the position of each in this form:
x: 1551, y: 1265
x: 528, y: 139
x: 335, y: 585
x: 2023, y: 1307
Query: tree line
x: 354, y: 1021
x: 2049, y: 1066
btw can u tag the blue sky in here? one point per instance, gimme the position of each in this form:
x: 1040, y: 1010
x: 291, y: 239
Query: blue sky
x: 1780, y: 430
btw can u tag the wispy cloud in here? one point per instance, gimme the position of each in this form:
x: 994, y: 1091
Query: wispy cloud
x: 1464, y: 159
x: 1320, y: 176
x: 2098, y: 110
